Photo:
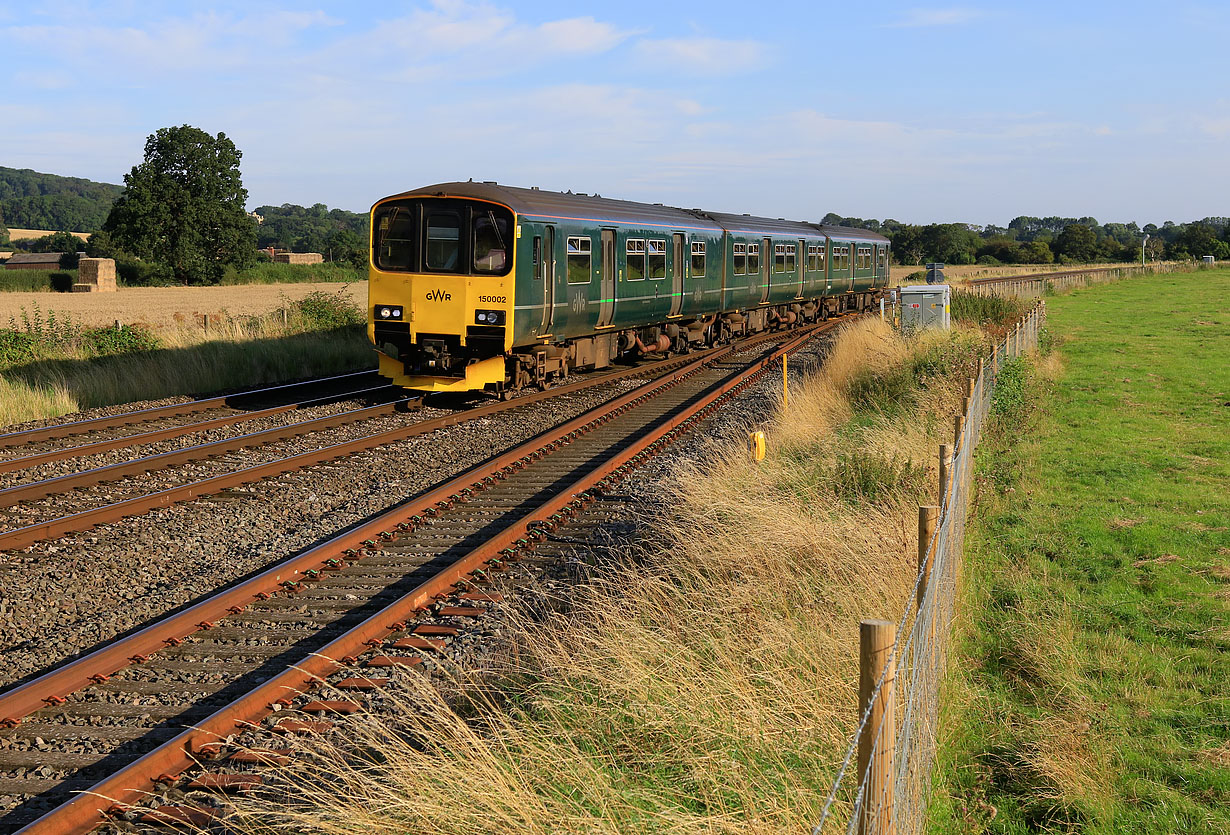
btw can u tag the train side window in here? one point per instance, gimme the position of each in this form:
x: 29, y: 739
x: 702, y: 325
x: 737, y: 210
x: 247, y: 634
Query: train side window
x: 753, y: 259
x: 812, y: 260
x: 444, y: 241
x: 580, y: 260
x: 698, y: 259
x: 821, y: 256
x: 538, y: 270
x: 636, y: 259
x: 657, y: 258
x: 492, y: 241
x: 883, y: 261
x: 740, y: 259
x: 779, y: 258
x: 791, y: 256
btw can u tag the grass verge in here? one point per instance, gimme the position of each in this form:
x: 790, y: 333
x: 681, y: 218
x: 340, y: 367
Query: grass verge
x: 50, y: 365
x: 1090, y: 683
x: 705, y: 683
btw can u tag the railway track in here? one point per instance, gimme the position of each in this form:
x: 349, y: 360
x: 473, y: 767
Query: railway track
x: 355, y: 610
x: 58, y: 504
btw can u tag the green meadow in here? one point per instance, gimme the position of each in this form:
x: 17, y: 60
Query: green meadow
x: 1089, y: 686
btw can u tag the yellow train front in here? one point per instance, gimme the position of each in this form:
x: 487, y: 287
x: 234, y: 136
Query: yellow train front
x: 440, y: 290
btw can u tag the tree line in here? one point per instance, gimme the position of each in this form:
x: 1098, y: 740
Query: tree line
x: 1048, y: 240
x: 33, y: 200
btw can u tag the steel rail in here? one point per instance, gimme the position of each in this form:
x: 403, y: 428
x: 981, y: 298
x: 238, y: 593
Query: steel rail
x: 86, y: 810
x: 155, y: 435
x: 28, y: 436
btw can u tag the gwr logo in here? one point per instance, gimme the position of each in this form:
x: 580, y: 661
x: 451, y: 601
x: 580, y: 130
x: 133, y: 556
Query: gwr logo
x: 439, y: 296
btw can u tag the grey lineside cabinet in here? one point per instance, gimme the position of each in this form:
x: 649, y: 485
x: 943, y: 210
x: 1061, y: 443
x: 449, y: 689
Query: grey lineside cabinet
x: 925, y: 306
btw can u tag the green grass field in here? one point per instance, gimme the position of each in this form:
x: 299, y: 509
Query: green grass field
x: 1090, y: 685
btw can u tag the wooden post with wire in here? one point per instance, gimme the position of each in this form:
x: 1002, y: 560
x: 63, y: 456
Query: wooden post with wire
x: 928, y: 516
x: 877, y: 742
x: 945, y: 472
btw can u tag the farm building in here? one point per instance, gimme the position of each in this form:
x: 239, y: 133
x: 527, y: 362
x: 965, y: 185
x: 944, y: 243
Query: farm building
x: 34, y: 261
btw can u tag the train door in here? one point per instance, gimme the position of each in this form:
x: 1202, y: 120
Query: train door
x: 606, y: 286
x: 544, y: 274
x: 800, y: 266
x: 678, y: 265
x: 766, y: 268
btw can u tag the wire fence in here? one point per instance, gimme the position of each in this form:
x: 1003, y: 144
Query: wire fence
x: 884, y: 781
x: 1038, y: 285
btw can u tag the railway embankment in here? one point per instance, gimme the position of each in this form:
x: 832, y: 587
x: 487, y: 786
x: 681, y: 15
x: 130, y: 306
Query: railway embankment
x: 1092, y: 663
x: 690, y: 665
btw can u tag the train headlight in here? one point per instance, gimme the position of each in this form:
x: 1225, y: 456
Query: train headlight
x: 489, y: 317
x: 389, y: 312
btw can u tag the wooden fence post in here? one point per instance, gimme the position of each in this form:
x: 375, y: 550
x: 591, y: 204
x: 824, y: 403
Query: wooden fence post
x: 945, y: 471
x: 877, y: 743
x: 927, y: 518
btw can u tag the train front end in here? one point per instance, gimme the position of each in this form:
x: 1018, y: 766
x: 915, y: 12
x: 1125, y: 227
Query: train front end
x: 440, y: 291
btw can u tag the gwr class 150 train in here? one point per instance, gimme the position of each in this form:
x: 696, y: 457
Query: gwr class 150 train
x: 484, y: 286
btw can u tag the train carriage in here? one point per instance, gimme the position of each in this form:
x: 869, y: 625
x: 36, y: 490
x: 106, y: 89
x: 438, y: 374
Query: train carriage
x: 482, y: 286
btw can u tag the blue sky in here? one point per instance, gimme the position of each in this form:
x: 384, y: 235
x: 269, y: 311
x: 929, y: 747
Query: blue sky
x: 975, y: 112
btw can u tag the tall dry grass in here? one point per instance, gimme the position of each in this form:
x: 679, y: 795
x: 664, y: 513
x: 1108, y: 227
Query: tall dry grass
x: 317, y: 336
x: 705, y: 684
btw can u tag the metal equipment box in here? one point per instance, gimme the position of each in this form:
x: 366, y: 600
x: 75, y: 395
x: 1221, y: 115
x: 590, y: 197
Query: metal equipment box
x: 925, y: 306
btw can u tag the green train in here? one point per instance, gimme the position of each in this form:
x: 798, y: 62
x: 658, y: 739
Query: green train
x: 480, y: 286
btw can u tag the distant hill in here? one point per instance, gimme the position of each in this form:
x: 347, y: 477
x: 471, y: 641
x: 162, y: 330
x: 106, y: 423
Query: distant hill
x: 31, y: 200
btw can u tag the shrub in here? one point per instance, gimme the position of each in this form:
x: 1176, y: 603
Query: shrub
x: 327, y: 311
x: 133, y: 272
x: 973, y: 309
x: 126, y: 339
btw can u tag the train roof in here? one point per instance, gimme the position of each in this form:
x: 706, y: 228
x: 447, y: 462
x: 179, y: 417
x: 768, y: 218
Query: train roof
x: 852, y: 233
x: 764, y: 225
x: 555, y: 204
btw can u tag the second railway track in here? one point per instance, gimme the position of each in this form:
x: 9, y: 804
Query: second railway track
x: 225, y: 662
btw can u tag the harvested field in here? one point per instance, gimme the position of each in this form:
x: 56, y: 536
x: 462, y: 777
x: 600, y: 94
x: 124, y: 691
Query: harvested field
x: 25, y: 234
x: 967, y: 272
x: 158, y: 306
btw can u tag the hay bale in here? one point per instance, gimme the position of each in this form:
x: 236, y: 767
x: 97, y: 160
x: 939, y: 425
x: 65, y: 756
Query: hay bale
x: 96, y: 274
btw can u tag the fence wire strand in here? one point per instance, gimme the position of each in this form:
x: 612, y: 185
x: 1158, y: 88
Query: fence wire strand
x: 919, y: 653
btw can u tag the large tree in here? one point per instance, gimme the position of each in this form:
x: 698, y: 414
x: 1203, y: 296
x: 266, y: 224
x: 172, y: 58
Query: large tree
x: 183, y: 207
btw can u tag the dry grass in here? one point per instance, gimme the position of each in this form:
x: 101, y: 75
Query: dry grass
x: 168, y: 307
x: 703, y: 686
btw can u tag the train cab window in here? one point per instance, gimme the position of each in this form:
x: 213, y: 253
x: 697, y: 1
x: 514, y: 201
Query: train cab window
x: 396, y: 238
x: 492, y: 241
x: 753, y: 259
x: 698, y: 259
x: 791, y: 258
x: 580, y: 260
x: 657, y: 258
x: 444, y: 241
x: 636, y: 259
x: 740, y: 259
x: 779, y: 258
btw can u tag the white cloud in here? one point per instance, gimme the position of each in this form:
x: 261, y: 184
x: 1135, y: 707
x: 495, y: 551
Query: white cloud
x: 703, y: 56
x: 936, y: 17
